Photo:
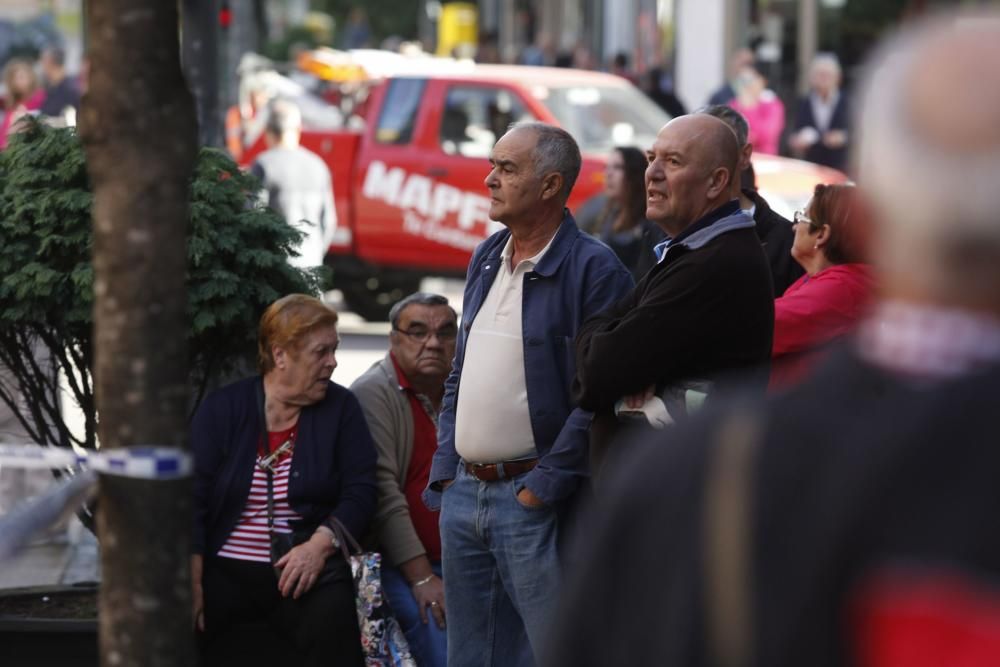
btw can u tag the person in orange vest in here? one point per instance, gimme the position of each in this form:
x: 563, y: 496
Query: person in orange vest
x: 244, y: 122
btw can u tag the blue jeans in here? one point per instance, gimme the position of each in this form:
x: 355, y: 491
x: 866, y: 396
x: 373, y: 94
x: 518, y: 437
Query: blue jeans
x: 501, y: 573
x: 428, y: 643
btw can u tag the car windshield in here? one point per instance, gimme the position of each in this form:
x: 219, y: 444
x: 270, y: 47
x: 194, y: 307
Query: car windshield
x: 602, y: 117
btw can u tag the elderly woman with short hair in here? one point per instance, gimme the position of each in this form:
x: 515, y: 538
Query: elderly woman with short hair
x: 836, y: 290
x: 280, y: 460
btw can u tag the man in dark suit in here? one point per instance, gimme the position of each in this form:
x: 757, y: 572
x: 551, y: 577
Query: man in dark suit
x: 821, y: 117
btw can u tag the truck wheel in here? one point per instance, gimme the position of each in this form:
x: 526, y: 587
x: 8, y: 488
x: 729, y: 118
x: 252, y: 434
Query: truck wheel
x: 373, y: 298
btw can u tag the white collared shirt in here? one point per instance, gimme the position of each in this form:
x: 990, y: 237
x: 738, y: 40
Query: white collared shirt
x: 492, y: 420
x: 823, y: 110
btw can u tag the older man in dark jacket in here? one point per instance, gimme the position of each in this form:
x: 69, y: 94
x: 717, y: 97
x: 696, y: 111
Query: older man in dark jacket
x: 707, y: 308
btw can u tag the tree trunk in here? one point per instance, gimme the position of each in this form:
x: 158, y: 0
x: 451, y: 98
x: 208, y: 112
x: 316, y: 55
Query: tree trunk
x: 200, y: 57
x: 139, y: 132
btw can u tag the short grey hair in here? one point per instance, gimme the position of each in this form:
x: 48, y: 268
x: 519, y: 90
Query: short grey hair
x: 283, y: 116
x: 827, y: 60
x: 731, y: 117
x: 419, y: 299
x: 556, y: 150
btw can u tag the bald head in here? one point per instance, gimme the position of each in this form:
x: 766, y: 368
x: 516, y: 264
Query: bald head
x: 691, y: 166
x: 713, y: 143
x: 953, y: 93
x: 929, y: 155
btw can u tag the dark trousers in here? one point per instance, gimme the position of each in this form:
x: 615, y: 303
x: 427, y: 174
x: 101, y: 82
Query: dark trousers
x: 247, y: 622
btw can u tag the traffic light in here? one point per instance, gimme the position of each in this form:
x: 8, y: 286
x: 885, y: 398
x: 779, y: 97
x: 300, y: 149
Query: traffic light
x: 225, y: 15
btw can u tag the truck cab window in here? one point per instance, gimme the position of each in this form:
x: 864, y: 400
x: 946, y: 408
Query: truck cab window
x: 474, y: 117
x: 399, y: 111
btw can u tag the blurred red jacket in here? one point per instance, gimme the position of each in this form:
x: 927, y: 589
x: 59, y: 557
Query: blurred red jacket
x: 814, y: 311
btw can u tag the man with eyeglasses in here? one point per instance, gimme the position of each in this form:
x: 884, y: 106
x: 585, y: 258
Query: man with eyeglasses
x: 401, y: 397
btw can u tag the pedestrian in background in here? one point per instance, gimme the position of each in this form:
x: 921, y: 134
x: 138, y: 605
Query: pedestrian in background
x: 622, y: 222
x: 297, y: 183
x: 821, y: 117
x: 763, y: 109
x: 848, y: 522
x: 739, y: 61
x: 62, y: 97
x: 659, y: 87
x: 22, y: 96
x: 401, y: 397
x: 512, y: 445
x: 619, y: 66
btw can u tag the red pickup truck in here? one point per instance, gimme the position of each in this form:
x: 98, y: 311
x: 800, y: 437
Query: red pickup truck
x: 408, y: 171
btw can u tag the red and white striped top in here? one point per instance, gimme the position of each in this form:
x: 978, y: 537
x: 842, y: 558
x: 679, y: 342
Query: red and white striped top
x: 250, y: 539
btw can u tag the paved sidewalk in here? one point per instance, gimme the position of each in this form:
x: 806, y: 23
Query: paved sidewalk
x: 68, y: 558
x: 63, y: 554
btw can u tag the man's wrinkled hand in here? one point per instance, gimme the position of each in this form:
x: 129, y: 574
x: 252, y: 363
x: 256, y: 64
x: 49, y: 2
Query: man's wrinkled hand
x: 431, y: 596
x: 835, y: 139
x: 527, y: 498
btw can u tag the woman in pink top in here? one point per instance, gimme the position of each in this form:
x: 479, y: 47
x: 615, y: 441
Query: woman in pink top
x: 762, y: 108
x: 23, y: 95
x: 829, y: 300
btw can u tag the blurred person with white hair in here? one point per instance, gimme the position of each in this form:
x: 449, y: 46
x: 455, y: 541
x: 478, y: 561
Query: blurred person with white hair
x: 821, y: 117
x: 245, y: 120
x: 297, y: 183
x: 852, y: 520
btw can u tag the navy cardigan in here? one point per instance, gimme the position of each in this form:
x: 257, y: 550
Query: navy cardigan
x: 333, y: 467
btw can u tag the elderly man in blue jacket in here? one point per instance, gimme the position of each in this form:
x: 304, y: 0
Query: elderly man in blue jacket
x: 512, y: 445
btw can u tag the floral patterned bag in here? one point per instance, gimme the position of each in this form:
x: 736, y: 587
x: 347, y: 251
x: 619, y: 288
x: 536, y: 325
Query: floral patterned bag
x: 382, y: 639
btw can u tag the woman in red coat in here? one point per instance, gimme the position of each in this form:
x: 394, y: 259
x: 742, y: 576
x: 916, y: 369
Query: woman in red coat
x: 829, y: 300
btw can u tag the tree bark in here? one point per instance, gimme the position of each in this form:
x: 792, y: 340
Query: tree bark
x: 139, y: 132
x: 200, y: 58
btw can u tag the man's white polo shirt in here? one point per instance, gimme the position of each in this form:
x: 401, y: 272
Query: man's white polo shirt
x: 492, y: 422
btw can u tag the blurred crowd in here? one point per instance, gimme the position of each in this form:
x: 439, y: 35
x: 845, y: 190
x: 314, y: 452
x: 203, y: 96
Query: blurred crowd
x: 44, y: 88
x: 819, y: 120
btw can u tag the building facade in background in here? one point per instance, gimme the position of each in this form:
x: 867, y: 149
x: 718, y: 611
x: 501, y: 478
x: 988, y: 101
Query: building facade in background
x: 691, y: 41
x: 694, y: 39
